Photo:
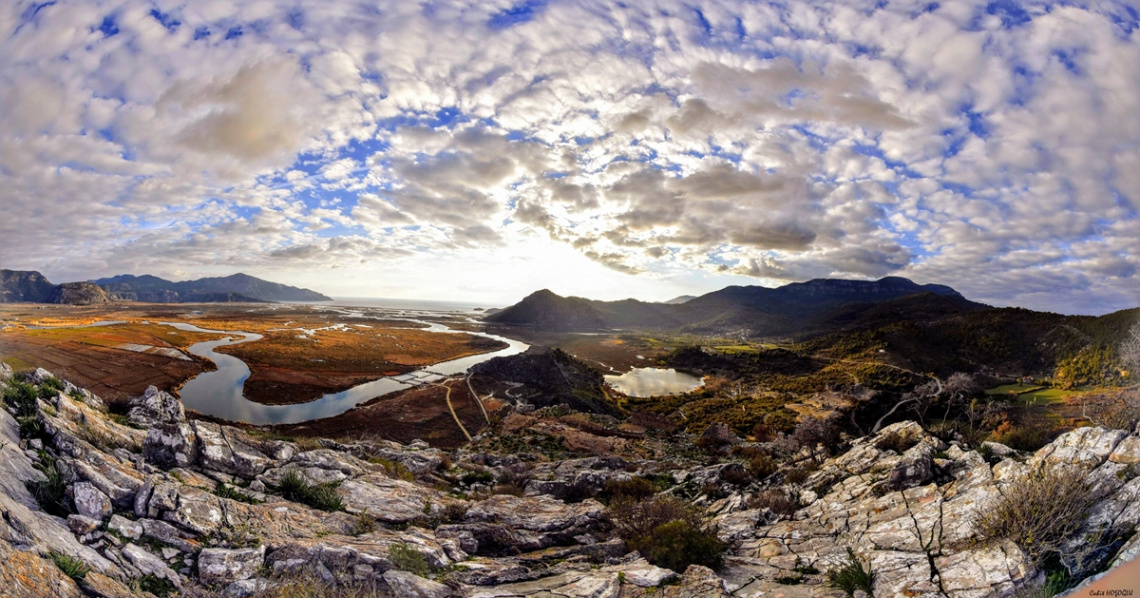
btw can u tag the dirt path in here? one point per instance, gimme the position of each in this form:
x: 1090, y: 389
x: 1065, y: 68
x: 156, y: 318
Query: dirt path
x: 451, y: 408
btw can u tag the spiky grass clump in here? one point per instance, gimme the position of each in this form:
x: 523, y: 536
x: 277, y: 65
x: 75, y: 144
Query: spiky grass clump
x: 852, y: 575
x: 71, y: 566
x: 294, y: 487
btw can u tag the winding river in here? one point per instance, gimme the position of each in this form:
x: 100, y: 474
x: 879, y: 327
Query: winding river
x: 219, y: 393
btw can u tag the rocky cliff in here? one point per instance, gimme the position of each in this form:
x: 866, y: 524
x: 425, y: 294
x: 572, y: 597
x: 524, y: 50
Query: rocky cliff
x: 23, y: 285
x: 118, y: 505
x: 78, y: 293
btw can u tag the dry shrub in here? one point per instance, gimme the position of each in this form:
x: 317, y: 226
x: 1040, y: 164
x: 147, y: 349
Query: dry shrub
x: 1029, y: 436
x: 1038, y: 511
x: 631, y: 490
x: 1118, y: 411
x: 776, y: 500
x: 796, y: 476
x: 762, y: 466
x: 896, y: 442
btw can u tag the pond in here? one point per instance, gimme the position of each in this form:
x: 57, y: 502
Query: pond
x: 654, y: 382
x: 219, y: 393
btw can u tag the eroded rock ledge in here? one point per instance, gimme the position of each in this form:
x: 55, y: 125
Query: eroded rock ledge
x: 189, y: 504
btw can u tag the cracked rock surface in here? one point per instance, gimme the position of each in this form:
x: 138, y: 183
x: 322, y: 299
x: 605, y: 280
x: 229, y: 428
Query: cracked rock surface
x: 203, y: 505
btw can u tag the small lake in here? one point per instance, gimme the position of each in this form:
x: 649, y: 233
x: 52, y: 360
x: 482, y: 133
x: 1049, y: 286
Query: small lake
x: 654, y: 382
x: 219, y: 393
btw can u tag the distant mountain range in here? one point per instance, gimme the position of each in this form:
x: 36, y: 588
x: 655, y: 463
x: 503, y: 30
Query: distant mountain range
x: 793, y: 308
x: 30, y: 286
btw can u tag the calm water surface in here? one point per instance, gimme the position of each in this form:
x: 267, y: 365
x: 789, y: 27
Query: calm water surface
x: 654, y: 382
x: 219, y: 393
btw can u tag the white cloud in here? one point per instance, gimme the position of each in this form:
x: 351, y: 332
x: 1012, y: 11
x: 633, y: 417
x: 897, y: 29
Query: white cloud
x: 780, y: 142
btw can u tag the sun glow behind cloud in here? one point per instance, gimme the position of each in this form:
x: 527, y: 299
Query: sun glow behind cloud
x: 482, y: 150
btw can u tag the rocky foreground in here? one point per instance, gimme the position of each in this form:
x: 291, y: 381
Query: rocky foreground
x: 95, y: 504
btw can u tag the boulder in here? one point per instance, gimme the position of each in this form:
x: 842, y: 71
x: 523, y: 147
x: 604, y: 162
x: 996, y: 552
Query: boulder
x: 641, y: 574
x: 90, y: 501
x: 221, y: 566
x: 148, y: 564
x: 81, y: 525
x: 229, y: 450
x: 402, y: 584
x: 170, y: 445
x: 125, y: 527
x: 156, y: 407
x: 571, y: 584
x: 392, y: 501
x: 1085, y: 447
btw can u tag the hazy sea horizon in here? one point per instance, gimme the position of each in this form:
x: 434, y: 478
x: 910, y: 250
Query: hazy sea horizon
x: 409, y: 304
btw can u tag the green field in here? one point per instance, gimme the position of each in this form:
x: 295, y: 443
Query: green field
x: 1028, y: 394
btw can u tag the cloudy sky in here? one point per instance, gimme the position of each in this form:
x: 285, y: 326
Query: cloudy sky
x: 479, y: 150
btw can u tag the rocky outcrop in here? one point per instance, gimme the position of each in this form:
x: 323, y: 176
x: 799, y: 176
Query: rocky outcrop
x: 78, y: 293
x: 201, y: 504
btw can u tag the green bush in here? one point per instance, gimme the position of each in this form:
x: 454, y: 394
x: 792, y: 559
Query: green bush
x: 667, y: 532
x: 71, y: 566
x: 406, y: 558
x: 1038, y: 511
x: 477, y: 477
x: 51, y: 492
x: 159, y: 586
x: 232, y: 493
x: 20, y: 397
x: 319, y: 496
x: 394, y: 469
x: 32, y: 427
x: 852, y: 575
x: 678, y: 544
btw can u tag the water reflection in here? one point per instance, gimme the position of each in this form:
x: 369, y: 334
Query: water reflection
x: 219, y: 393
x: 654, y: 382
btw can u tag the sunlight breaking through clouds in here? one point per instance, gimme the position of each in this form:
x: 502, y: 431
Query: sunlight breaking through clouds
x: 652, y: 149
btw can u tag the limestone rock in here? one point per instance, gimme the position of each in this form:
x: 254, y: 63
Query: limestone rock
x: 125, y: 527
x: 170, y: 445
x: 640, y: 573
x: 502, y: 524
x: 25, y: 575
x: 81, y: 525
x: 23, y: 525
x: 221, y: 566
x: 229, y: 450
x: 156, y: 407
x: 90, y: 502
x: 572, y: 584
x: 246, y: 588
x: 392, y: 501
x: 149, y: 564
x: 402, y: 583
x: 1086, y: 447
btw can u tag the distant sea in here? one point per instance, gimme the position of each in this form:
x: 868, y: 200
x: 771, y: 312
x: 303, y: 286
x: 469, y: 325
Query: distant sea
x: 408, y: 304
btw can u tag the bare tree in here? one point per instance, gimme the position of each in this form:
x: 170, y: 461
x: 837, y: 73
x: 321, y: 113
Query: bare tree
x: 922, y: 398
x: 1130, y: 354
x: 959, y: 388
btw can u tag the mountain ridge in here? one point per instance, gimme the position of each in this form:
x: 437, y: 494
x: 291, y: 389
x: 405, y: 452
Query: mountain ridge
x: 19, y: 286
x: 768, y: 311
